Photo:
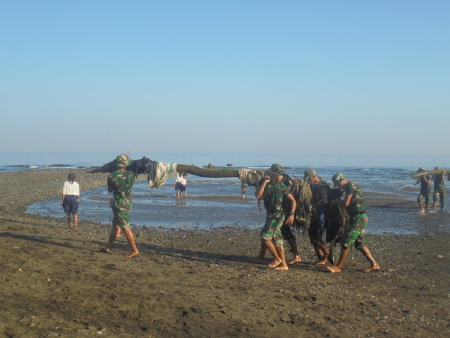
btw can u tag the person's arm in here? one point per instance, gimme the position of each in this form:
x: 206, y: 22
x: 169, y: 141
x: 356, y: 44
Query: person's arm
x: 291, y: 217
x: 260, y: 191
x: 62, y: 198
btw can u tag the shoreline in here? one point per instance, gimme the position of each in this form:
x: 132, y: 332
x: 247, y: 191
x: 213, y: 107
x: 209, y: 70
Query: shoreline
x: 190, y: 283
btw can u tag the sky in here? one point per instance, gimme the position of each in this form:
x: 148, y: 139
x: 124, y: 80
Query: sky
x: 255, y: 76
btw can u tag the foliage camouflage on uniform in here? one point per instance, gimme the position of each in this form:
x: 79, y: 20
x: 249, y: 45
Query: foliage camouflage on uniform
x: 121, y: 183
x: 302, y: 193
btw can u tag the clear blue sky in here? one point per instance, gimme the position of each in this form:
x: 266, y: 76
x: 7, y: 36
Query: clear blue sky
x: 226, y: 76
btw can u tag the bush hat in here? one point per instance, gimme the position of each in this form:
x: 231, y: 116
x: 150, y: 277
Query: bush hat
x: 123, y: 161
x: 338, y: 177
x: 309, y: 173
x: 277, y: 169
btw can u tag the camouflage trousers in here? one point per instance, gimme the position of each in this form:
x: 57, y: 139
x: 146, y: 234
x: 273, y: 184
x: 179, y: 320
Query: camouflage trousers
x: 271, y: 230
x: 439, y: 195
x: 121, y: 209
x: 355, y: 233
x: 424, y: 196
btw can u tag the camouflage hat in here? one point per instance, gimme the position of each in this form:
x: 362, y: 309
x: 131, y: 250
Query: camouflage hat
x: 338, y: 177
x: 420, y: 169
x: 309, y: 173
x: 277, y: 169
x: 123, y: 160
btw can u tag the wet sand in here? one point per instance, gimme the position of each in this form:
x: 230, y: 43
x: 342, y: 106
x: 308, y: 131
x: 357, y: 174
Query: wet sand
x: 55, y: 282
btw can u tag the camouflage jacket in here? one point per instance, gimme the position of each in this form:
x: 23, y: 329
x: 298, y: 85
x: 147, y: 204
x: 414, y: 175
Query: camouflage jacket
x: 356, y: 205
x: 274, y: 195
x: 121, y: 182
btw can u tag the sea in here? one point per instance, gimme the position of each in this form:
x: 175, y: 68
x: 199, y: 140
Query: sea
x: 209, y: 205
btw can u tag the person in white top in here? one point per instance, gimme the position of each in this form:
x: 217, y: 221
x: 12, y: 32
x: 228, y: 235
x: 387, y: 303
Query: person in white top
x: 177, y: 184
x: 183, y: 185
x: 71, y: 200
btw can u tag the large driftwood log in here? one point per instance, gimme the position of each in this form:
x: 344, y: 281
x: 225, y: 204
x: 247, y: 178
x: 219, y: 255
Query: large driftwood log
x: 143, y: 165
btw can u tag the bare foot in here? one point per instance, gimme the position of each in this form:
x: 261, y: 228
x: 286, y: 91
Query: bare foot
x: 321, y: 262
x: 282, y: 268
x: 274, y: 264
x: 132, y: 254
x: 105, y: 250
x: 374, y: 267
x: 334, y: 268
x: 297, y: 259
x: 75, y: 227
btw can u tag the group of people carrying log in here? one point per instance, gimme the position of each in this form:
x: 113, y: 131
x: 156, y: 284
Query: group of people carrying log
x: 308, y: 203
x: 439, y: 192
x: 318, y: 208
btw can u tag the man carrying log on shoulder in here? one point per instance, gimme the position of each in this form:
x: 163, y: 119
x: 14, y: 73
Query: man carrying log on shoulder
x: 352, y: 200
x: 439, y: 189
x: 425, y: 191
x: 273, y: 192
x: 120, y: 183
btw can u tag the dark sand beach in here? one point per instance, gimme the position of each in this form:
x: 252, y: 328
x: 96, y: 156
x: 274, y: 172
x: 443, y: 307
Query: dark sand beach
x: 55, y: 282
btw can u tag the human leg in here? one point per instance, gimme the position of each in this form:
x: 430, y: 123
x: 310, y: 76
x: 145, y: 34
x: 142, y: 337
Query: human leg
x: 262, y: 253
x: 342, y: 258
x: 272, y: 232
x: 322, y: 252
x: 75, y: 221
x: 280, y: 251
x: 131, y: 241
x: 354, y: 236
x: 276, y: 259
x: 289, y: 237
x: 294, y: 249
x: 373, y: 265
x: 115, y: 231
x: 68, y: 218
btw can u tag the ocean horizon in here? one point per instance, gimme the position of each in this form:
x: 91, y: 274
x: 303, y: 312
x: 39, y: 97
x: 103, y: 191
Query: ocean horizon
x: 20, y: 161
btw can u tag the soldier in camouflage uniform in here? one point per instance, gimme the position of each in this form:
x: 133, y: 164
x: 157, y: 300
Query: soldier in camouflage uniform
x: 352, y: 199
x: 316, y: 229
x: 274, y: 192
x: 120, y: 183
x: 425, y: 191
x: 439, y: 189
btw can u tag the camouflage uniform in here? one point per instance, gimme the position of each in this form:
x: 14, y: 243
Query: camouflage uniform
x: 120, y: 182
x: 357, y: 217
x: 425, y: 191
x: 273, y: 197
x: 439, y: 189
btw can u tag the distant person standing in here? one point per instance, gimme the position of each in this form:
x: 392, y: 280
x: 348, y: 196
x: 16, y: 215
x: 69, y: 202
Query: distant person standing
x: 183, y: 185
x: 425, y: 191
x: 177, y: 184
x: 120, y: 183
x: 439, y: 189
x: 71, y: 200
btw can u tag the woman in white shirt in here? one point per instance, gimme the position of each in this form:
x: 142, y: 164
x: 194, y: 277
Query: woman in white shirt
x: 71, y: 200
